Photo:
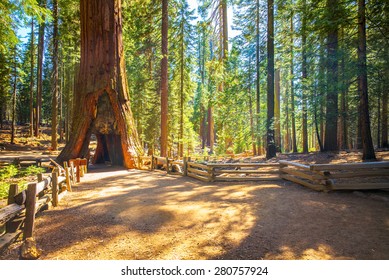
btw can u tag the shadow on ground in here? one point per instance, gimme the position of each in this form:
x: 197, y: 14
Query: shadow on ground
x: 120, y: 214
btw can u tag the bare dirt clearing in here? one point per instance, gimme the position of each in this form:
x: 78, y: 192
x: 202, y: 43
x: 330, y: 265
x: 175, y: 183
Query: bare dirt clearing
x: 133, y: 214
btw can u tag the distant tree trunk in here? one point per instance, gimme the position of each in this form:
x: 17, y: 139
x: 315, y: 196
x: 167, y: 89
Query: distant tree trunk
x: 258, y: 81
x: 384, y: 130
x: 331, y: 135
x: 367, y: 142
x: 164, y: 79
x: 60, y: 105
x: 379, y: 119
x: 182, y: 60
x: 343, y: 129
x: 225, y: 30
x: 211, y: 127
x: 54, y: 104
x: 277, y: 111
x: 304, y: 79
x: 41, y: 46
x: 102, y: 103
x: 294, y: 140
x: 32, y: 54
x: 287, y: 142
x: 271, y: 147
x: 252, y: 130
x: 13, y: 120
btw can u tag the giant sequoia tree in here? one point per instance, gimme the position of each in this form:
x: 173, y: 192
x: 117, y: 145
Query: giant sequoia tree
x: 102, y: 105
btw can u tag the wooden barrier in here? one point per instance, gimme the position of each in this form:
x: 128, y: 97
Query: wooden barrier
x: 198, y: 171
x: 327, y: 177
x: 244, y: 171
x: 23, y: 206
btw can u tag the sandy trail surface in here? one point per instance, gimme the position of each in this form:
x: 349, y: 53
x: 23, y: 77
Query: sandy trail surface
x: 132, y: 214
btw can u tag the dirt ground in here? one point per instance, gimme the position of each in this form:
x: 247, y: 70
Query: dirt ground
x: 131, y: 214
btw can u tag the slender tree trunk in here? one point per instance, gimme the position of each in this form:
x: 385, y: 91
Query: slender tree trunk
x: 182, y: 59
x: 367, y: 142
x: 258, y: 82
x: 164, y: 79
x: 225, y: 30
x: 331, y: 135
x: 343, y: 130
x: 252, y: 130
x: 211, y: 125
x: 287, y: 144
x: 304, y: 77
x: 13, y: 120
x: 379, y: 120
x: 54, y: 105
x: 32, y: 54
x: 294, y: 140
x: 277, y: 111
x: 60, y: 105
x: 41, y: 46
x: 102, y: 103
x: 271, y: 147
x: 384, y: 130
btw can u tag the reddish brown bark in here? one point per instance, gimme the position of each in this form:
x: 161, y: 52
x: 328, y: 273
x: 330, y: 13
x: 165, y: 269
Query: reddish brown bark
x: 164, y: 79
x: 102, y: 105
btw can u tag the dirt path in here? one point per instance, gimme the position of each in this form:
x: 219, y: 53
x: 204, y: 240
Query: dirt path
x: 120, y: 214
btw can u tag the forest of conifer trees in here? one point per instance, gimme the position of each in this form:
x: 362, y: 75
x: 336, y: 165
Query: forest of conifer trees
x: 292, y: 76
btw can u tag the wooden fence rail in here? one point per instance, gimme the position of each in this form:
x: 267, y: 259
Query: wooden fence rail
x: 319, y: 177
x: 23, y: 206
x: 328, y: 177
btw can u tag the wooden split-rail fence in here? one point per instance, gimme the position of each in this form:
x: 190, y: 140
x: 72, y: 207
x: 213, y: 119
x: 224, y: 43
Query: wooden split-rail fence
x: 18, y: 216
x: 344, y: 176
x: 319, y: 177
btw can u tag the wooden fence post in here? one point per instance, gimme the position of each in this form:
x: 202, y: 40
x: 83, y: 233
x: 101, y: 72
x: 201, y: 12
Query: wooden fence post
x: 12, y: 191
x: 67, y: 175
x: 71, y: 164
x: 30, y: 211
x: 54, y: 188
x: 212, y: 174
x: 185, y: 171
x: 167, y: 165
x: 77, y: 162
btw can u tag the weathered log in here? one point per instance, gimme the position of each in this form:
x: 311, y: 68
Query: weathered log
x: 197, y: 165
x: 295, y: 164
x: 350, y: 166
x: 9, y: 212
x: 301, y: 174
x: 360, y: 173
x: 240, y: 179
x: 201, y: 178
x: 243, y: 164
x: 246, y: 171
x: 198, y: 172
x: 303, y: 182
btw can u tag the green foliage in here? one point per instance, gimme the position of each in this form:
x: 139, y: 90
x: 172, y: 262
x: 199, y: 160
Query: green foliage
x: 8, y: 172
x: 14, y: 175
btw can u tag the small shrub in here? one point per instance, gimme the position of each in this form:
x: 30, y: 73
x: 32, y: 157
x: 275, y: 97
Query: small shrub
x: 13, y: 175
x: 31, y: 170
x: 8, y: 172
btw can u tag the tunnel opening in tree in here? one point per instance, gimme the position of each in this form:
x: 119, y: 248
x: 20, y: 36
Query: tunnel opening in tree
x: 102, y: 103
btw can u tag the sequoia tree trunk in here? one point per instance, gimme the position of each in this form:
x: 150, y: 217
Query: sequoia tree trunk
x: 102, y: 103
